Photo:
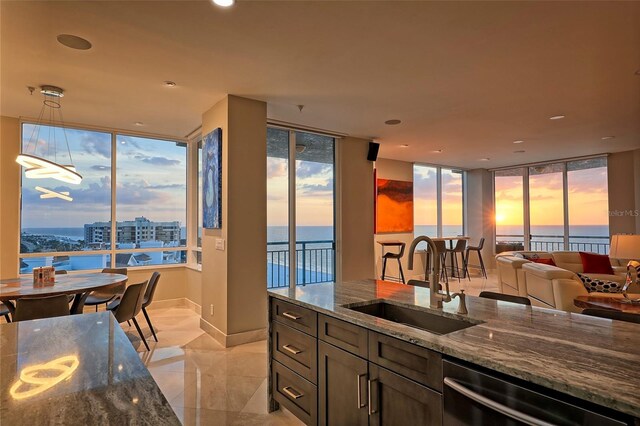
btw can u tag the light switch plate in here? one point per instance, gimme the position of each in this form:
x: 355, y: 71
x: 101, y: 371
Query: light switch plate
x: 220, y: 244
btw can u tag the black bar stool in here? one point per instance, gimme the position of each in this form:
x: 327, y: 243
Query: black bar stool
x: 477, y: 249
x: 460, y: 248
x: 398, y: 257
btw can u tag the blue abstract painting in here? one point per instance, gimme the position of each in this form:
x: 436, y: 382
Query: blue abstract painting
x: 212, y: 180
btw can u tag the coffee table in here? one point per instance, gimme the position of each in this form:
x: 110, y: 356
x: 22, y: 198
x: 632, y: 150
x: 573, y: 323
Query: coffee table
x: 604, y: 302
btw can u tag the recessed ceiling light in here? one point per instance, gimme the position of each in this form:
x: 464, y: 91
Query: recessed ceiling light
x: 169, y: 83
x: 404, y: 145
x: 556, y: 117
x: 521, y: 151
x: 518, y: 141
x: 638, y: 72
x: 392, y: 122
x: 74, y: 42
x: 606, y: 138
x: 485, y: 159
x: 224, y: 3
x: 139, y: 123
x: 437, y: 151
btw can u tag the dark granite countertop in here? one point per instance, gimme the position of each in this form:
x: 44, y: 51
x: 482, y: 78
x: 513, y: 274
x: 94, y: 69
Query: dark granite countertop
x: 76, y: 370
x: 590, y: 358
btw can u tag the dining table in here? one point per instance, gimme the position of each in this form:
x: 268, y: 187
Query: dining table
x: 78, y: 285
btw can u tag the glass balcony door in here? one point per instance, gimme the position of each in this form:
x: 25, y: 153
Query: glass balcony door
x: 300, y: 208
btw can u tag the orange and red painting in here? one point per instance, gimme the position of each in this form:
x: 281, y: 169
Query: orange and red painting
x: 394, y: 206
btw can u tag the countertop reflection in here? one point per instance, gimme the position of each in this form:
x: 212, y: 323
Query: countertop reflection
x: 80, y: 369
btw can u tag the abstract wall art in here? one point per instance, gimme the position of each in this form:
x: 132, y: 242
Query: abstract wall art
x: 394, y: 206
x: 212, y: 180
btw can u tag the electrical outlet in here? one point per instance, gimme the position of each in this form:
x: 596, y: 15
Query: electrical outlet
x: 211, y: 309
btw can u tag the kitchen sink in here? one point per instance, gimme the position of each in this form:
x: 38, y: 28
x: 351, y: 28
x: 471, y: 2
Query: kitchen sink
x: 433, y: 323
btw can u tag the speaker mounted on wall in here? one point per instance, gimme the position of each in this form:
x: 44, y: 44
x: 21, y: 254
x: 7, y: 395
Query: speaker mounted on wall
x: 372, y: 155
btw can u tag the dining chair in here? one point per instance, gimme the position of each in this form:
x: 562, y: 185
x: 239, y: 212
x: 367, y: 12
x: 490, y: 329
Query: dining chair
x: 70, y: 297
x: 459, y: 248
x: 148, y: 298
x: 30, y: 308
x: 478, y: 250
x: 505, y: 297
x: 611, y: 314
x: 99, y: 297
x: 130, y: 306
x: 4, y: 311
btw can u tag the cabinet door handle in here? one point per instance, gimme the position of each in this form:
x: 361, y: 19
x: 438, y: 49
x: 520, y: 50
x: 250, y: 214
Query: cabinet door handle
x: 371, y: 410
x: 358, y: 378
x: 494, y: 405
x: 292, y: 392
x: 290, y: 316
x: 291, y: 349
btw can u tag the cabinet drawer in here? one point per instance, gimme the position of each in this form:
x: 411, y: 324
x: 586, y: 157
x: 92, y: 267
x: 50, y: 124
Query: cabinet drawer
x: 300, y: 318
x: 295, y: 350
x: 349, y: 337
x: 295, y: 393
x: 419, y: 364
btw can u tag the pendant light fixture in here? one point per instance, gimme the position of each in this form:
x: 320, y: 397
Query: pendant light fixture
x: 42, y: 161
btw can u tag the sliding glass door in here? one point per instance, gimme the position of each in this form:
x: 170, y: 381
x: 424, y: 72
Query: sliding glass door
x: 546, y: 209
x: 300, y: 208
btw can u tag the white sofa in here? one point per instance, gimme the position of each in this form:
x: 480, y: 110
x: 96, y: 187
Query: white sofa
x: 551, y: 286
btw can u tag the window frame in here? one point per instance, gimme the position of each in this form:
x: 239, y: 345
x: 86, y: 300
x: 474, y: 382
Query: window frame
x: 439, y: 198
x: 112, y: 251
x: 526, y: 200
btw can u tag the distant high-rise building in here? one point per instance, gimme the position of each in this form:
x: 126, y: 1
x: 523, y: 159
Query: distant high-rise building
x: 98, y: 234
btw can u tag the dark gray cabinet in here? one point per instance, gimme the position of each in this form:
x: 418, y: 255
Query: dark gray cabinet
x: 342, y: 387
x: 396, y: 400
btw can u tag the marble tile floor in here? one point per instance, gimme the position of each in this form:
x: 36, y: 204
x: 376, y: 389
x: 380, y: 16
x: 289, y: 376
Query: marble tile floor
x: 205, y: 383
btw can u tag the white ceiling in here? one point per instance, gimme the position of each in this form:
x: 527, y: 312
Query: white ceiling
x: 467, y: 78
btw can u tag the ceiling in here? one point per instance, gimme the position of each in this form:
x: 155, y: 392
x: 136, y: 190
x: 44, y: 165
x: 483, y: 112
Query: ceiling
x: 464, y: 78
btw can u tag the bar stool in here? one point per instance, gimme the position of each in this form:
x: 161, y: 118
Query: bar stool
x: 398, y: 257
x: 460, y: 248
x: 477, y: 249
x: 441, y: 246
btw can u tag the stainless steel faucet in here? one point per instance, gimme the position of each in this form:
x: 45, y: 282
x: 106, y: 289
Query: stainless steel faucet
x: 436, y: 297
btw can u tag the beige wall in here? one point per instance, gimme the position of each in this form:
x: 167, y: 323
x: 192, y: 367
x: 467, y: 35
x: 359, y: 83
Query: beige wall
x: 233, y: 280
x: 396, y: 170
x: 355, y: 190
x: 624, y: 192
x: 9, y: 197
x: 171, y: 285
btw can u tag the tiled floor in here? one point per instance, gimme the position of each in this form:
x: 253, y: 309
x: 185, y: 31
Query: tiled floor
x: 205, y: 383
x: 208, y: 384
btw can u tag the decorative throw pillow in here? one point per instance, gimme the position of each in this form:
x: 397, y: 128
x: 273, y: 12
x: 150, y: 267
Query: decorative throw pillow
x: 528, y: 256
x: 548, y: 261
x: 601, y: 286
x: 596, y: 263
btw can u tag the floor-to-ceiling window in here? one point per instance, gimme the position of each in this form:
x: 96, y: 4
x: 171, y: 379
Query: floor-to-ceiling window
x: 438, y: 201
x: 557, y: 206
x: 149, y: 176
x: 509, y: 209
x: 300, y: 207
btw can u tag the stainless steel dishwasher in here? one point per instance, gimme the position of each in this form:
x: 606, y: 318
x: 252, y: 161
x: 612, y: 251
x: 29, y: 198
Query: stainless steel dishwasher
x: 474, y: 396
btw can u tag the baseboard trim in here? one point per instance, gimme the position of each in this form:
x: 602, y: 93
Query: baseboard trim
x: 180, y: 302
x: 235, y: 339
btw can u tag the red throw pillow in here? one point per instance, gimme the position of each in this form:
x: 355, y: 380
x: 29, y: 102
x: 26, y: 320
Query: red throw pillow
x: 596, y: 263
x: 548, y: 261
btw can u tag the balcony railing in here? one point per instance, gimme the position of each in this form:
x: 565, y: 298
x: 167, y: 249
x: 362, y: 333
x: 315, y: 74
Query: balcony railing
x: 315, y: 262
x: 594, y: 244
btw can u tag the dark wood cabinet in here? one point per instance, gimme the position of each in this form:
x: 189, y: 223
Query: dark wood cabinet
x: 342, y: 387
x: 396, y: 400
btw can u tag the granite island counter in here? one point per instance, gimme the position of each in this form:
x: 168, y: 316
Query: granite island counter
x: 586, y: 358
x: 76, y: 370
